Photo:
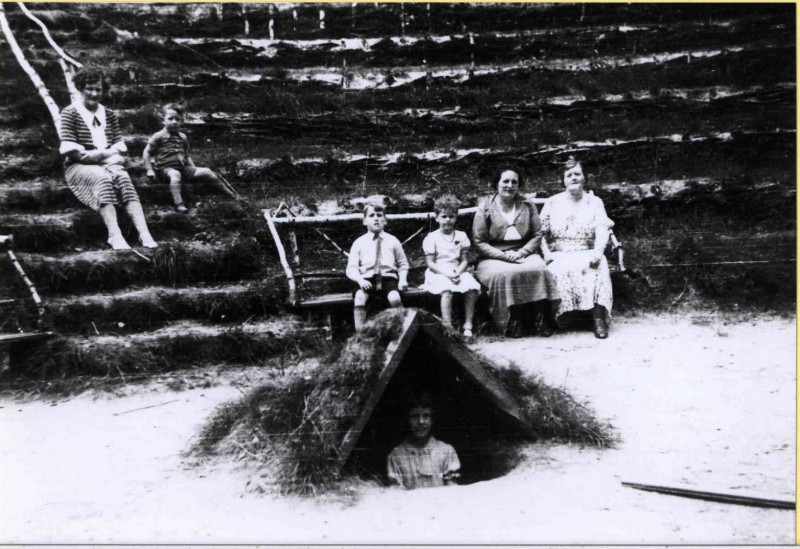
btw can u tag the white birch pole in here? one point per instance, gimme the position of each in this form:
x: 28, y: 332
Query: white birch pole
x: 49, y: 38
x: 29, y: 70
x: 74, y: 94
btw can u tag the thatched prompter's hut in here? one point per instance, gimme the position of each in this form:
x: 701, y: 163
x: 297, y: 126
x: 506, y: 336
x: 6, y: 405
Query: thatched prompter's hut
x: 350, y: 413
x: 475, y: 410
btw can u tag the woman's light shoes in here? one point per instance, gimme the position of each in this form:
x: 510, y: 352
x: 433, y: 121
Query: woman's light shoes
x: 117, y: 243
x: 600, y: 328
x: 148, y: 242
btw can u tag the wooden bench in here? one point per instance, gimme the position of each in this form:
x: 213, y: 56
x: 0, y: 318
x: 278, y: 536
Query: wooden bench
x: 300, y: 298
x: 13, y: 344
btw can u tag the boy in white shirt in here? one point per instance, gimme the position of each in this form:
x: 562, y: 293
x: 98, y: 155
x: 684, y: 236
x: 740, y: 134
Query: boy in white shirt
x: 377, y: 263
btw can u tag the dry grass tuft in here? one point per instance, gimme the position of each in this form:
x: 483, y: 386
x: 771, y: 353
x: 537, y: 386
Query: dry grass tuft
x: 553, y: 413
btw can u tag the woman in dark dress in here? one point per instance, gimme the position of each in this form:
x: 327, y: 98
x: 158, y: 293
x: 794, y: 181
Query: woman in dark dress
x: 506, y: 235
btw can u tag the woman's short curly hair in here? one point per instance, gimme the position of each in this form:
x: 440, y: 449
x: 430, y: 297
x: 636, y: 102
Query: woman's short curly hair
x: 446, y: 203
x: 90, y: 74
x: 497, y: 172
x: 570, y: 163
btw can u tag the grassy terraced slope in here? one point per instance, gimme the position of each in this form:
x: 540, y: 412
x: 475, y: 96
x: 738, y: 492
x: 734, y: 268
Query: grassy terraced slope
x: 684, y: 115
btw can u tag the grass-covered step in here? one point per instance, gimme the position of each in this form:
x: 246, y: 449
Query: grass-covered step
x: 631, y: 115
x: 172, y: 264
x: 456, y: 48
x: 721, y: 267
x: 23, y: 193
x: 300, y: 93
x: 148, y: 308
x: 96, y: 23
x: 316, y: 90
x: 464, y: 171
x: 81, y: 229
x: 179, y: 345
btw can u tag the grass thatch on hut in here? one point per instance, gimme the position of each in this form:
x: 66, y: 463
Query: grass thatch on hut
x: 310, y: 432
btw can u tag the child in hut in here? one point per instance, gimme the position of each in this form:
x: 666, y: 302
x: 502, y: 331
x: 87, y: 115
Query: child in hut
x: 377, y: 263
x: 166, y: 157
x: 446, y: 251
x: 422, y: 461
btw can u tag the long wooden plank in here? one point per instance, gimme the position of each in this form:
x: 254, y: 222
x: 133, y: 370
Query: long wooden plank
x: 407, y: 333
x: 715, y: 496
x: 347, y: 297
x: 8, y: 339
x: 344, y: 218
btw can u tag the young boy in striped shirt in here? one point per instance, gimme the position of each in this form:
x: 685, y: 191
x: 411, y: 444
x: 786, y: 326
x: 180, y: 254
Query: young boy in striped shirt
x: 166, y: 157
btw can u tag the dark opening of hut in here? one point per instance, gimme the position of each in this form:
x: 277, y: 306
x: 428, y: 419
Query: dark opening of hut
x: 473, y: 411
x: 466, y: 412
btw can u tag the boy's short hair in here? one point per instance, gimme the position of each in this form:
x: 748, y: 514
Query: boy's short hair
x: 375, y: 206
x: 88, y: 75
x: 171, y: 107
x: 446, y: 203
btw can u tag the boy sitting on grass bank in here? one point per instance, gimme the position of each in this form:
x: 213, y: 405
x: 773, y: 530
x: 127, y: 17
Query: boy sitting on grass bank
x: 167, y: 158
x: 421, y: 461
x: 377, y: 263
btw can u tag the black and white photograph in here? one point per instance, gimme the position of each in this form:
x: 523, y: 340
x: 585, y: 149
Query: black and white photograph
x: 398, y: 273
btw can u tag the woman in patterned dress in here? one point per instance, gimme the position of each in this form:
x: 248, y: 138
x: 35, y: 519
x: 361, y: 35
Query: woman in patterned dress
x: 92, y: 146
x: 575, y: 231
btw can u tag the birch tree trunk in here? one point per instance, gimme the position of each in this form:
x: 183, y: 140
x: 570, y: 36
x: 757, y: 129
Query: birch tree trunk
x: 73, y: 91
x: 29, y: 70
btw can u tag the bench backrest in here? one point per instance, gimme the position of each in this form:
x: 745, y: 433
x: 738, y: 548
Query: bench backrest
x: 292, y: 225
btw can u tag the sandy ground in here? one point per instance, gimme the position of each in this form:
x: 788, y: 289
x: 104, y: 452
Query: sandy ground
x: 699, y: 402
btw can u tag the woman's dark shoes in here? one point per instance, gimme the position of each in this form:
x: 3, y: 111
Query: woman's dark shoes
x: 515, y: 329
x: 547, y: 328
x: 600, y: 328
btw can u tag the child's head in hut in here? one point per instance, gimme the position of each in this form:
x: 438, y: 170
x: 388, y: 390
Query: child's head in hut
x: 420, y: 418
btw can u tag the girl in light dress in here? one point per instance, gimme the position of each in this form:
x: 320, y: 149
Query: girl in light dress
x: 446, y: 251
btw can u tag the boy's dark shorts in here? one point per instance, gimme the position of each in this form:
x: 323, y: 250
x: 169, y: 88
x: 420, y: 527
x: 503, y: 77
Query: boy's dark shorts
x: 187, y: 172
x: 388, y: 284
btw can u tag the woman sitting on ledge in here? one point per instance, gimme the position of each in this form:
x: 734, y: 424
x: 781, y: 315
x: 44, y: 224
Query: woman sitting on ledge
x: 506, y: 234
x: 91, y: 142
x: 575, y: 231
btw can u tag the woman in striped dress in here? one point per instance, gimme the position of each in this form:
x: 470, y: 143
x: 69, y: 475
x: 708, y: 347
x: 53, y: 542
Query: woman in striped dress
x: 91, y: 142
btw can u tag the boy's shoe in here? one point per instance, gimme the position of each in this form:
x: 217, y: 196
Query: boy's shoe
x: 180, y: 208
x: 467, y: 336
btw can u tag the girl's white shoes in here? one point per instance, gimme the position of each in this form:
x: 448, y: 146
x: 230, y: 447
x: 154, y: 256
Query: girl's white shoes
x: 148, y: 242
x: 117, y: 242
